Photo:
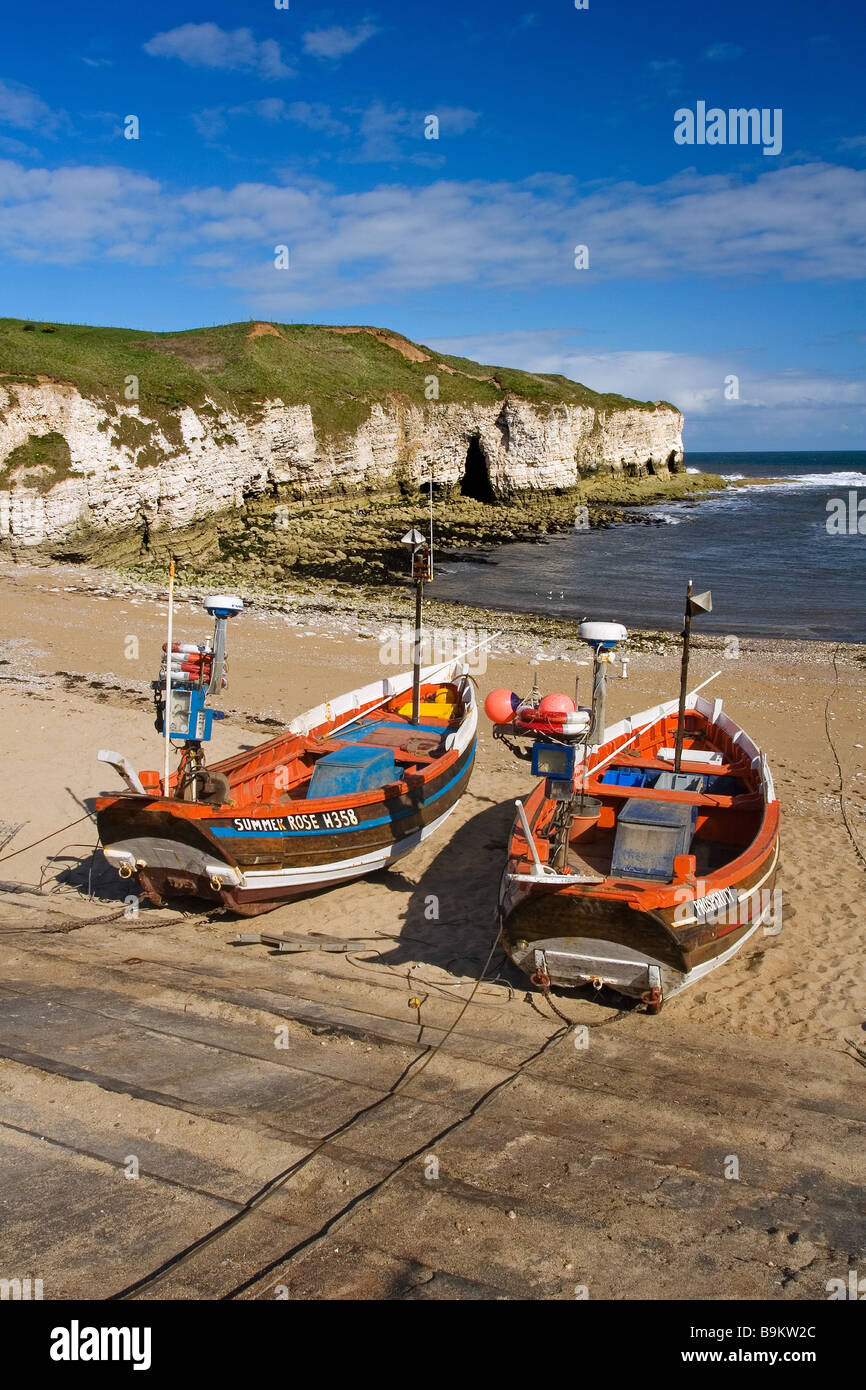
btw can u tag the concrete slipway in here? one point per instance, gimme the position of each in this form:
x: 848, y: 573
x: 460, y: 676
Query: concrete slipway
x: 562, y: 1168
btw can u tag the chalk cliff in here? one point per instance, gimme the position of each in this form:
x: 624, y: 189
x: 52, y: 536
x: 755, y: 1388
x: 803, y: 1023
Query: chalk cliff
x: 77, y: 459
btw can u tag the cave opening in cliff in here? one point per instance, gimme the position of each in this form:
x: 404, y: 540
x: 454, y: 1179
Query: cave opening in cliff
x: 475, y: 482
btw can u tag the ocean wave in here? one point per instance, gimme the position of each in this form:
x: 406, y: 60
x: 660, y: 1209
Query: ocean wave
x: 693, y: 470
x: 742, y: 498
x: 805, y: 480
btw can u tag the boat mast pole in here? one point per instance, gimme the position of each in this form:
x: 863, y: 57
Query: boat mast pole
x: 430, y: 566
x: 684, y: 681
x: 167, y: 715
x: 419, y: 569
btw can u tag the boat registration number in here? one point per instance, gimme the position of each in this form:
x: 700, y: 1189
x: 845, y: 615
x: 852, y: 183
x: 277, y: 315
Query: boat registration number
x: 715, y: 905
x: 320, y: 820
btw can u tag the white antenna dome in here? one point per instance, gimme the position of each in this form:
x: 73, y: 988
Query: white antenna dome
x: 222, y: 605
x: 602, y: 634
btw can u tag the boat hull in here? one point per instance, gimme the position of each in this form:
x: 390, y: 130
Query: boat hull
x: 574, y: 939
x: 251, y: 870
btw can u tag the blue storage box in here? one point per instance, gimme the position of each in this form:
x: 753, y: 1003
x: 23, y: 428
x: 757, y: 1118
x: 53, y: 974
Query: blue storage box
x: 650, y: 834
x: 353, y: 769
x: 630, y: 776
x: 725, y: 785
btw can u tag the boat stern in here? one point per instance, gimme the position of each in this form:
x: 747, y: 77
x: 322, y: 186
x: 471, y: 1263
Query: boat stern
x: 168, y: 856
x: 573, y: 961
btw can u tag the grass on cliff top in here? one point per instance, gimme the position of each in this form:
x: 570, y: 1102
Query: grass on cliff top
x: 40, y: 462
x: 339, y: 374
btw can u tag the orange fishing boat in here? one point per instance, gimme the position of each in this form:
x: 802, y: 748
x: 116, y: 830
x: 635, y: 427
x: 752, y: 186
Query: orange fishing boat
x: 349, y: 788
x: 647, y: 855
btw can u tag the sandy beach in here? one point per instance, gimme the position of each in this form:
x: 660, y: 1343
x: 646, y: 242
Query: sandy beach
x: 68, y: 688
x: 78, y: 650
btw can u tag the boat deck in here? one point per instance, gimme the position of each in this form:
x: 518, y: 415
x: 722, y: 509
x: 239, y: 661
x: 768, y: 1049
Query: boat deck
x: 423, y: 741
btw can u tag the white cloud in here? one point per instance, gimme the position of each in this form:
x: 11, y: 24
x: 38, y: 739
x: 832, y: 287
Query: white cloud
x: 381, y: 134
x: 209, y: 46
x: 82, y: 212
x: 668, y: 73
x: 392, y: 240
x: 800, y: 222
x: 337, y: 42
x: 388, y: 134
x: 23, y: 108
x: 210, y: 122
x: 315, y: 115
x: 18, y: 149
x: 695, y: 382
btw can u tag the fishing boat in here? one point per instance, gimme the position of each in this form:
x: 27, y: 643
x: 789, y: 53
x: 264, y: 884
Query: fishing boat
x: 350, y: 787
x: 646, y: 856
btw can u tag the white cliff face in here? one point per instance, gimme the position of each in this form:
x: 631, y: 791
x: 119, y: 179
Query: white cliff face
x: 221, y: 459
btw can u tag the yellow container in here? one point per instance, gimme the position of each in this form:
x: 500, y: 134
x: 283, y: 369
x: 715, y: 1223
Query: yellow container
x: 445, y: 706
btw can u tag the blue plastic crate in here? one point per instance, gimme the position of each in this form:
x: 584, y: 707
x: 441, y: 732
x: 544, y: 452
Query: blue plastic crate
x: 356, y: 768
x: 626, y: 776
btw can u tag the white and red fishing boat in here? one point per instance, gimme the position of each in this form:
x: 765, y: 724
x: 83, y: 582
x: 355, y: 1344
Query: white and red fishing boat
x: 350, y: 787
x: 647, y: 854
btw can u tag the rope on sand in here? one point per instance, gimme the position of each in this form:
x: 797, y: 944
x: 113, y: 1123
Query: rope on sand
x: 49, y: 836
x: 842, y: 800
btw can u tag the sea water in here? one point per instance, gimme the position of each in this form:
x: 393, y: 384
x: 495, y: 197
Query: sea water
x: 774, y: 554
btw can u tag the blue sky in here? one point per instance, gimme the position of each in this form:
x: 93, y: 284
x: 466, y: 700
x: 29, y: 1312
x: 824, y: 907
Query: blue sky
x: 305, y: 127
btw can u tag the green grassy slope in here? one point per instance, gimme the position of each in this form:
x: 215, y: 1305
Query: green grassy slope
x: 236, y: 365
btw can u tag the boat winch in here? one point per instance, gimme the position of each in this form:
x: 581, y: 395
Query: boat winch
x: 191, y: 672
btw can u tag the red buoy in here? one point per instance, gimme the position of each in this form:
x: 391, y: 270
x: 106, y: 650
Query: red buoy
x: 556, y: 704
x: 500, y: 706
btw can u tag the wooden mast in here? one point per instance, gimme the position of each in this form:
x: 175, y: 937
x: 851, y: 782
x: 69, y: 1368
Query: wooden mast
x: 167, y: 717
x: 421, y: 559
x: 695, y: 603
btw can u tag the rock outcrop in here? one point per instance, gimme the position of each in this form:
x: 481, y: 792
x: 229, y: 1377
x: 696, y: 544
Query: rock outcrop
x: 127, y: 469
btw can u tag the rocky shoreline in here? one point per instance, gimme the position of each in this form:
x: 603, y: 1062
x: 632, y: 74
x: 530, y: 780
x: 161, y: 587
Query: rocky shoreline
x: 336, y: 610
x: 321, y: 564
x: 354, y: 536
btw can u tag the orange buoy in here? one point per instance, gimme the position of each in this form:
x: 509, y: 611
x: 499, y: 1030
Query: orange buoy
x: 500, y: 706
x: 556, y: 704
